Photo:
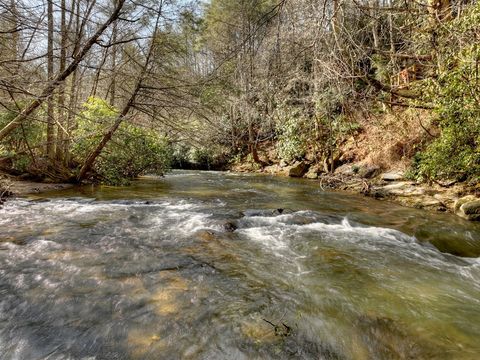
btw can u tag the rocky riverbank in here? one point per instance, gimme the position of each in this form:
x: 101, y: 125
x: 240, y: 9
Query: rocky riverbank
x: 460, y: 198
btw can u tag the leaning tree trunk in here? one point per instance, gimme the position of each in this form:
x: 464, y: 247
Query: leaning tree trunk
x: 60, y: 78
x: 89, y: 162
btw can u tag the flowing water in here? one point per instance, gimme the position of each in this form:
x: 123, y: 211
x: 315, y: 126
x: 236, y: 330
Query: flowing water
x: 203, y: 265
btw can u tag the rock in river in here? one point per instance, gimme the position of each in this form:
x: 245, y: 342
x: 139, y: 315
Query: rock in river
x: 298, y: 169
x: 229, y: 226
x: 468, y: 208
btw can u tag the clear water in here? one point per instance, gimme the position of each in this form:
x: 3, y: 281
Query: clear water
x: 200, y: 265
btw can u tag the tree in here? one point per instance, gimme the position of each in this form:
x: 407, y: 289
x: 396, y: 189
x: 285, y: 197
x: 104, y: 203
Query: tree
x: 129, y: 104
x: 47, y: 92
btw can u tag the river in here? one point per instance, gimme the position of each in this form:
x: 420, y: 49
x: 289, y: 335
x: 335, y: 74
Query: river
x: 206, y: 265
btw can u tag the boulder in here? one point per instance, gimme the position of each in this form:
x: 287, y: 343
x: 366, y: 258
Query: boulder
x: 229, y: 226
x: 403, y: 188
x: 345, y: 169
x: 468, y: 208
x: 462, y: 201
x: 367, y: 172
x: 393, y: 176
x: 298, y: 169
x: 206, y: 235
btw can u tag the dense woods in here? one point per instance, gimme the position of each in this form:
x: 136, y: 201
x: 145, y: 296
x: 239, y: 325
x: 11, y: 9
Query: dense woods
x: 106, y: 90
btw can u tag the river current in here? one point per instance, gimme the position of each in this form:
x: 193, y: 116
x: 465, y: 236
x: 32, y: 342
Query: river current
x: 206, y: 265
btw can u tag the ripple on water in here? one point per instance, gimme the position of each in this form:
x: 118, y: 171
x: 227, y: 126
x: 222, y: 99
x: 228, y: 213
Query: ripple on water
x: 136, y: 279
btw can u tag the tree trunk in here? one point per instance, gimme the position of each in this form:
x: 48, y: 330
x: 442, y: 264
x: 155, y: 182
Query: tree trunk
x: 113, y: 85
x: 88, y: 164
x: 50, y: 106
x: 374, y: 20
x: 62, y: 133
x: 53, y: 85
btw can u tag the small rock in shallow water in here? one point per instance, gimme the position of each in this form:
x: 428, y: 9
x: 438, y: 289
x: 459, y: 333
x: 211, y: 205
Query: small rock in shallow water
x: 229, y: 226
x: 281, y: 211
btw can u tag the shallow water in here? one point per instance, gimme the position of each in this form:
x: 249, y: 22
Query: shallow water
x: 201, y: 265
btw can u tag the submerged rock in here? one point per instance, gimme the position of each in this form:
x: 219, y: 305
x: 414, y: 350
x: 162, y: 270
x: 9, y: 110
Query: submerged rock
x: 206, y: 235
x: 468, y: 208
x: 390, y: 339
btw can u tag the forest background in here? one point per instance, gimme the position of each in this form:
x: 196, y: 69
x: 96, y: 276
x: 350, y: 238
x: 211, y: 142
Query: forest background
x: 106, y: 90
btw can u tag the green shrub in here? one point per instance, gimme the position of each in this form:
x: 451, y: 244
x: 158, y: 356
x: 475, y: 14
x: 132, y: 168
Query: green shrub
x: 291, y: 135
x: 133, y: 151
x: 455, y: 95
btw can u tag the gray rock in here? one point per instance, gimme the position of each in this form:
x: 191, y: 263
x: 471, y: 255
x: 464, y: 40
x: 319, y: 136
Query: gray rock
x: 298, y: 169
x: 403, y: 188
x: 462, y: 201
x: 229, y: 226
x: 282, y: 211
x: 393, y: 176
x: 468, y: 208
x: 345, y: 169
x: 367, y: 172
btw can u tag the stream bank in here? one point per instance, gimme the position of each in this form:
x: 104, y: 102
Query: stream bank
x: 12, y: 186
x: 460, y: 198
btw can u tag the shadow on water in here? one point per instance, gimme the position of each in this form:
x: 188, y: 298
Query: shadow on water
x: 204, y: 265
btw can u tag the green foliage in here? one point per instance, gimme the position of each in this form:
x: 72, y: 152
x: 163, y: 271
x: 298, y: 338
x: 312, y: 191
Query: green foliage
x: 132, y: 152
x: 30, y: 132
x: 333, y: 125
x: 20, y: 142
x: 455, y: 94
x: 199, y: 157
x: 92, y: 122
x: 292, y: 137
